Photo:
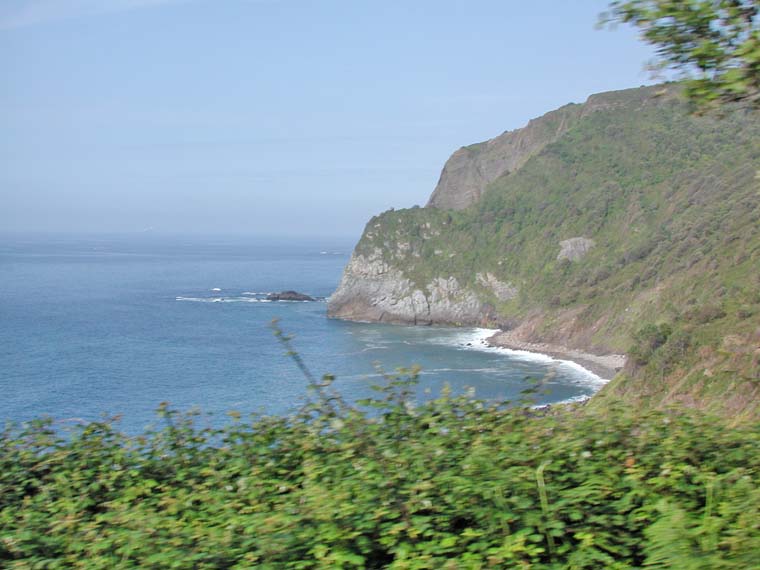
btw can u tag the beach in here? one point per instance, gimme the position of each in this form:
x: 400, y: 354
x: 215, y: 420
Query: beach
x: 605, y: 366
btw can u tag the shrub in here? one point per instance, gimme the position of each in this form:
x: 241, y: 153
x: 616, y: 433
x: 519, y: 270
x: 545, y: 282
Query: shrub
x: 705, y: 314
x: 451, y: 483
x: 647, y: 340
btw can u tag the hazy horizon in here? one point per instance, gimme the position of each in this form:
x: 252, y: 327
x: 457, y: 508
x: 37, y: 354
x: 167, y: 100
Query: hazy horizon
x: 168, y: 235
x: 273, y: 117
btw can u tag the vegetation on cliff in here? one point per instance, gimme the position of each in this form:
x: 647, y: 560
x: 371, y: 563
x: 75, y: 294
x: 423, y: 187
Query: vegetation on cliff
x: 452, y: 483
x: 669, y: 205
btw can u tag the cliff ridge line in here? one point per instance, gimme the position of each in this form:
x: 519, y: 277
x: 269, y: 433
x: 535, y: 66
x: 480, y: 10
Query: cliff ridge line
x: 470, y: 169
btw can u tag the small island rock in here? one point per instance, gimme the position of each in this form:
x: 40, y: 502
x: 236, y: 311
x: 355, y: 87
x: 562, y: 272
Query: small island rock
x: 289, y: 296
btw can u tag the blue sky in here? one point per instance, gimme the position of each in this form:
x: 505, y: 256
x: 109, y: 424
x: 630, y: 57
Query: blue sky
x: 289, y: 117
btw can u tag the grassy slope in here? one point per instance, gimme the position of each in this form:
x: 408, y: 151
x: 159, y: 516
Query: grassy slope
x: 673, y: 204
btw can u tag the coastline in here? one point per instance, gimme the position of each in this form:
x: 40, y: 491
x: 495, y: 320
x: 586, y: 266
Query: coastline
x: 605, y: 366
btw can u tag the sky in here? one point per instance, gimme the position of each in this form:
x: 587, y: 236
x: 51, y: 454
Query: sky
x: 273, y: 117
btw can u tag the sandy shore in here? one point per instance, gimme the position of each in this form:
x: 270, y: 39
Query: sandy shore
x: 605, y: 366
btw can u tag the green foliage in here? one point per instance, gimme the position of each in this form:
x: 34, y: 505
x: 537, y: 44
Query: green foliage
x: 647, y: 341
x: 714, y: 43
x: 451, y: 483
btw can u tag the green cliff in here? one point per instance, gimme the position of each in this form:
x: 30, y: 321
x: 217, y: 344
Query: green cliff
x: 625, y: 224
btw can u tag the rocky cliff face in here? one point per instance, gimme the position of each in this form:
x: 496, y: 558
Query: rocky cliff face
x: 377, y: 285
x: 372, y: 290
x: 622, y: 224
x: 471, y: 169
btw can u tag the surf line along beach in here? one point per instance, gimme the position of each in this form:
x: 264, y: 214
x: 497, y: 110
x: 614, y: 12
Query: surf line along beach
x: 605, y: 366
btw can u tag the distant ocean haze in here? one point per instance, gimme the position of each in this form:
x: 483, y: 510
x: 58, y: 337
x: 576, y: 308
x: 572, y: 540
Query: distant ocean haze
x: 116, y: 325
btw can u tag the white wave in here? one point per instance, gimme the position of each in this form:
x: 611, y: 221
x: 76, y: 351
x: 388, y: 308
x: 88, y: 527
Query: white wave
x: 216, y: 289
x: 475, y: 339
x: 221, y: 299
x: 478, y: 370
x: 580, y: 398
x: 360, y: 376
x: 374, y: 347
x: 202, y: 299
x: 576, y: 399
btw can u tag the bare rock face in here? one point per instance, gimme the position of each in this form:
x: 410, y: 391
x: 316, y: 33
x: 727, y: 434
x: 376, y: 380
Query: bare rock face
x: 574, y: 249
x: 371, y: 290
x: 503, y: 291
x: 451, y: 303
x: 470, y: 169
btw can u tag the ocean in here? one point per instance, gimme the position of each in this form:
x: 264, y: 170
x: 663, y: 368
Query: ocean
x: 116, y: 325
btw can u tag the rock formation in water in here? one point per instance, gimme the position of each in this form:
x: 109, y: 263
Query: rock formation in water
x: 289, y: 296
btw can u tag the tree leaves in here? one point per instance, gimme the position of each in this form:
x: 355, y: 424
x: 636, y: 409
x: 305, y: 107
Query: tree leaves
x: 715, y: 44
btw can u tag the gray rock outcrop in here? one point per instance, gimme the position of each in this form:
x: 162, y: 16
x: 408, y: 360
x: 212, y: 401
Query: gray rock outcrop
x: 289, y: 296
x: 502, y: 291
x: 471, y: 169
x: 372, y: 290
x: 574, y: 249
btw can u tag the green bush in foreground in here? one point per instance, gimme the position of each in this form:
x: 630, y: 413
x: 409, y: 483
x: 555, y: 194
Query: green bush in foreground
x: 451, y: 483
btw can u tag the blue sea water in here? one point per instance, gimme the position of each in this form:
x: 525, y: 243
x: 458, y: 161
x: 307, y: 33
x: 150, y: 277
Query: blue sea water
x: 116, y: 325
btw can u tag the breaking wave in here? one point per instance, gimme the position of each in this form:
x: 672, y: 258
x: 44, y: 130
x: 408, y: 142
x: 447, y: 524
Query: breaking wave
x: 476, y: 339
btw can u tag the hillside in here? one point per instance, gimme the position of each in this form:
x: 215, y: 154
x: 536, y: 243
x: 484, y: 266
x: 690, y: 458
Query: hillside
x: 624, y: 224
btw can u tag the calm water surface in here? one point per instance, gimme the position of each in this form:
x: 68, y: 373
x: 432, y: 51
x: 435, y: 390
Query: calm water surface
x: 117, y: 325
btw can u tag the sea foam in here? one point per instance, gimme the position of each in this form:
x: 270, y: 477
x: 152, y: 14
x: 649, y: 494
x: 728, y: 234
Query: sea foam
x: 476, y: 339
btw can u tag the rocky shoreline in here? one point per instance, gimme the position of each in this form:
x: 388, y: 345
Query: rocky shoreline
x: 605, y: 366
